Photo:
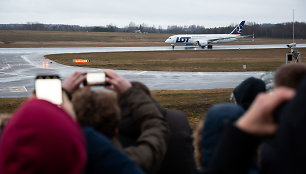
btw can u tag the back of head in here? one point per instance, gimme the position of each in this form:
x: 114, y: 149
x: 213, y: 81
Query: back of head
x: 247, y: 91
x: 290, y: 75
x: 42, y: 138
x: 98, y: 110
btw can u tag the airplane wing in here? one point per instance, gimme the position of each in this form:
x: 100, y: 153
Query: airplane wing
x: 203, y: 42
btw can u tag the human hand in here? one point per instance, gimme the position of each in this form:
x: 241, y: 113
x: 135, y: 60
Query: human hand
x: 118, y: 83
x: 67, y: 106
x: 258, y: 120
x: 72, y: 83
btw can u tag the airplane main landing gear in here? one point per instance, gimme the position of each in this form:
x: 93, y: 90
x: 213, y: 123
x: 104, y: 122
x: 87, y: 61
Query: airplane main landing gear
x: 209, y: 46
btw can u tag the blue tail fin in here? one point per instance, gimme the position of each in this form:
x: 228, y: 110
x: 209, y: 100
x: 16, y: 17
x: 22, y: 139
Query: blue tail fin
x: 238, y: 29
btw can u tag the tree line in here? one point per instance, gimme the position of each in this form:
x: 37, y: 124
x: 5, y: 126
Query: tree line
x: 280, y: 30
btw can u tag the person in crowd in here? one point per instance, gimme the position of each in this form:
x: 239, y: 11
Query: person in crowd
x: 97, y: 109
x: 288, y: 75
x: 215, y: 120
x: 246, y: 91
x: 42, y: 138
x: 242, y: 138
x: 179, y: 156
x: 216, y: 117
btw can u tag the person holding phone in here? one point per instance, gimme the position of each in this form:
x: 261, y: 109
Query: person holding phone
x: 102, y: 156
x: 151, y: 145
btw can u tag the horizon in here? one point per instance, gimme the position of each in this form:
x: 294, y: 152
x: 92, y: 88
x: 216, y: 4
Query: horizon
x: 158, y: 13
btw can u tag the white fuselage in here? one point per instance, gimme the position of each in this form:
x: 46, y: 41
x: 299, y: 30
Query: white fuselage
x: 201, y: 39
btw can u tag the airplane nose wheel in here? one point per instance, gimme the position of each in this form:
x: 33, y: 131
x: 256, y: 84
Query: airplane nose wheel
x: 172, y: 46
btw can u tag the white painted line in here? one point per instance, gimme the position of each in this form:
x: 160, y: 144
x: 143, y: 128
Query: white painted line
x: 141, y: 72
x: 17, y: 89
x: 26, y: 59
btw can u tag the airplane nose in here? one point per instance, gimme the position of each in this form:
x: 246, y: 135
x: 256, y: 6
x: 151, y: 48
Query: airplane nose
x: 168, y: 40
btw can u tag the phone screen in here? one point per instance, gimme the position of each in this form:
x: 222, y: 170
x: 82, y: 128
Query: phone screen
x: 95, y: 78
x: 49, y: 89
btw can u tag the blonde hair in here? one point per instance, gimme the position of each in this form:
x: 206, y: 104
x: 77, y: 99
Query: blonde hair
x: 197, y: 143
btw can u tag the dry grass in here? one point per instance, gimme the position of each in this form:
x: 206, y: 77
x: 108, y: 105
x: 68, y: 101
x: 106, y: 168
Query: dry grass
x: 194, y: 102
x: 9, y: 105
x: 27, y: 39
x: 197, y: 61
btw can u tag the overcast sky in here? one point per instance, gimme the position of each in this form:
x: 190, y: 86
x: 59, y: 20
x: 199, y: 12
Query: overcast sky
x: 208, y: 13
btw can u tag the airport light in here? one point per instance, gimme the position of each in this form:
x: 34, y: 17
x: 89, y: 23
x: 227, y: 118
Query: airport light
x: 81, y: 60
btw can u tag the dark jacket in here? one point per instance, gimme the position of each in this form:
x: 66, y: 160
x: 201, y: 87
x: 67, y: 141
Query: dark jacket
x: 103, y: 157
x: 289, y: 142
x: 234, y: 153
x: 215, y: 121
x: 150, y: 147
x: 179, y: 156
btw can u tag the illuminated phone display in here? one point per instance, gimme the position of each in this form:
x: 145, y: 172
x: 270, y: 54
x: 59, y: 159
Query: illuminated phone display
x: 49, y: 89
x: 95, y: 78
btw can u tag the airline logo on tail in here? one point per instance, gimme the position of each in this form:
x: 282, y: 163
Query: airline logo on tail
x: 238, y: 29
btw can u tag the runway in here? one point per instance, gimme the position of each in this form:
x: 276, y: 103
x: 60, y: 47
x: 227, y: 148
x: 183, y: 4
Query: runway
x: 19, y: 66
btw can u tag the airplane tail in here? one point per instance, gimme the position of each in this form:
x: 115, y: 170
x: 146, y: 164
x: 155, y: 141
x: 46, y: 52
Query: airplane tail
x: 238, y: 29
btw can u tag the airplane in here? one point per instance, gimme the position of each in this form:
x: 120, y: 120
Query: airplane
x: 204, y: 40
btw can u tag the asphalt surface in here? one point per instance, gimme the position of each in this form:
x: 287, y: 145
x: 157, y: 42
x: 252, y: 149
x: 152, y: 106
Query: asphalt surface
x: 19, y: 67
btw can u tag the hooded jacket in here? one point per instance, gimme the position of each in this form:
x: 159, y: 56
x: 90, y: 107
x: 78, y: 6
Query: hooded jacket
x: 42, y: 138
x: 179, y: 155
x: 150, y: 146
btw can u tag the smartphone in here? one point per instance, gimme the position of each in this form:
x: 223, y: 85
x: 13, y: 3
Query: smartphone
x: 49, y: 87
x: 95, y: 79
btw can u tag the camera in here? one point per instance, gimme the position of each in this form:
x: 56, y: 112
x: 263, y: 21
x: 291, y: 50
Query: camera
x: 292, y: 45
x: 95, y: 79
x: 49, y: 87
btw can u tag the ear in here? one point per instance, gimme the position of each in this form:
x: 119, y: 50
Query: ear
x: 116, y: 132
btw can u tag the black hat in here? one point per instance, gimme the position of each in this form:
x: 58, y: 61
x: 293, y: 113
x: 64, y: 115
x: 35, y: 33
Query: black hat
x: 247, y: 90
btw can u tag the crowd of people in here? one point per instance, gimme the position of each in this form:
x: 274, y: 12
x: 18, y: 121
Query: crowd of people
x: 260, y: 130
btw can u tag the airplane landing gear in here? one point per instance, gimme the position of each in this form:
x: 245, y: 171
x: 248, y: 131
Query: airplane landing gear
x: 172, y: 46
x: 209, y: 46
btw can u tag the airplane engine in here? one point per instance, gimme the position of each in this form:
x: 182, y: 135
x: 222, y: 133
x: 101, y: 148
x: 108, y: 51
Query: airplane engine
x: 202, y: 43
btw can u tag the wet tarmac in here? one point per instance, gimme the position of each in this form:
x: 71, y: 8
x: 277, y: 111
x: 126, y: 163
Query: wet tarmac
x: 19, y: 66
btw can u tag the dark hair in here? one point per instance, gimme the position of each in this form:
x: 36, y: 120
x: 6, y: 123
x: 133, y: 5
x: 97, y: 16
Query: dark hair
x: 289, y: 75
x: 97, y: 109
